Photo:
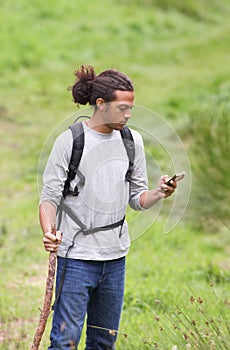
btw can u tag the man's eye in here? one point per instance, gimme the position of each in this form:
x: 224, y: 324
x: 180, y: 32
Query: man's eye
x: 123, y: 108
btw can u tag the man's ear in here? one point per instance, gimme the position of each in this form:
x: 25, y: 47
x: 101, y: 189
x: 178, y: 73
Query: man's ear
x: 100, y: 103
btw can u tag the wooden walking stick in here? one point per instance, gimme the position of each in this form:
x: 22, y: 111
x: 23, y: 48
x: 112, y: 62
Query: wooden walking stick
x: 47, y: 299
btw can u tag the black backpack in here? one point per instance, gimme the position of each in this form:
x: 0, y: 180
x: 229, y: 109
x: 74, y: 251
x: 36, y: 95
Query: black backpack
x: 77, y: 150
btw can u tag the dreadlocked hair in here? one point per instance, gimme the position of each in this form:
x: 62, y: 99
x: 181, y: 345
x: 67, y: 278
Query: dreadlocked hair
x: 89, y: 86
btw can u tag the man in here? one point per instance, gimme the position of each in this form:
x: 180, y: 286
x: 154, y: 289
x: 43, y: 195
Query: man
x: 91, y: 263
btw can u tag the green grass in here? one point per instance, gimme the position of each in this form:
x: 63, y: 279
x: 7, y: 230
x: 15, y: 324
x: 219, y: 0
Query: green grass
x: 159, y: 267
x: 178, y: 264
x: 177, y: 54
x: 211, y: 128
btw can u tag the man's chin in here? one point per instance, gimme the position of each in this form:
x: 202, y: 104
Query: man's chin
x: 119, y: 126
x: 116, y: 126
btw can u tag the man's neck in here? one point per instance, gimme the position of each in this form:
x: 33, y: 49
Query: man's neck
x: 96, y: 123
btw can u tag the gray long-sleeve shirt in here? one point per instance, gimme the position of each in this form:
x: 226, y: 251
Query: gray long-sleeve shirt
x: 104, y: 196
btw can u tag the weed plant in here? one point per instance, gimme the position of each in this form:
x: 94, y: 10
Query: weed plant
x: 195, y: 324
x: 198, y: 329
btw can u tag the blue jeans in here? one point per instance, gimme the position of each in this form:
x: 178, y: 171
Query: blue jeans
x: 95, y: 288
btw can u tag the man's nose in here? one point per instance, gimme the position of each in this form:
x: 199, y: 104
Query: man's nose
x: 128, y: 114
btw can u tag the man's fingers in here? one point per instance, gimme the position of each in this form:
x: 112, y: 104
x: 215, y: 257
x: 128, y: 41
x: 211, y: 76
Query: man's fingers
x: 49, y: 245
x: 172, y: 186
x: 50, y: 248
x: 59, y: 236
x: 51, y: 242
x: 50, y: 236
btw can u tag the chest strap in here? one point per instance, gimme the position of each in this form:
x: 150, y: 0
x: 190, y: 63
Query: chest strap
x: 103, y: 228
x: 88, y: 230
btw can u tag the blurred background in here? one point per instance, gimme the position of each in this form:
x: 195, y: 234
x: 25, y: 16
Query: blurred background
x: 177, y: 53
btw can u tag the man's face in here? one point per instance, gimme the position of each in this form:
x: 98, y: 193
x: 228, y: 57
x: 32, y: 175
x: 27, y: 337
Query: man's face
x: 118, y: 112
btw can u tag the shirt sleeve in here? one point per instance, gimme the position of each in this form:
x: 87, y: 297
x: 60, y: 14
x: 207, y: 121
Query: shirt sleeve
x: 139, y: 179
x: 56, y: 170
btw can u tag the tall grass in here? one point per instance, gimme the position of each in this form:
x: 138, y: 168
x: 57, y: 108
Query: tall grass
x: 197, y: 323
x: 210, y: 139
x: 199, y: 10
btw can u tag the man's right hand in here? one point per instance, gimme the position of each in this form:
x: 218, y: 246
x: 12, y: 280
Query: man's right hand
x: 51, y: 242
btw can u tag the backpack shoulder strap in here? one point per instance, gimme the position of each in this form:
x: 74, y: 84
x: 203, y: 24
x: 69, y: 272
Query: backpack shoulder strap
x: 78, y: 145
x: 129, y: 144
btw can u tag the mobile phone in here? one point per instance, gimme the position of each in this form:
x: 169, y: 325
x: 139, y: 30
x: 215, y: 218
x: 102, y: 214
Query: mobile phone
x: 176, y: 177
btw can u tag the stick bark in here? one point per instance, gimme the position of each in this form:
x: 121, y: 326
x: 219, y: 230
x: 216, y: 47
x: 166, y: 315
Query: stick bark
x: 47, y: 299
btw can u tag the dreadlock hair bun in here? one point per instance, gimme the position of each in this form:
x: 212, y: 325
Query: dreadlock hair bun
x: 89, y: 86
x: 81, y: 90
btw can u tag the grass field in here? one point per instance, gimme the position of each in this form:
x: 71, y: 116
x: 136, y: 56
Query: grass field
x: 177, y: 53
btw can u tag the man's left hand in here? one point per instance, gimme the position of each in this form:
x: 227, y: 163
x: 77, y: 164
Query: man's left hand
x: 166, y: 190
